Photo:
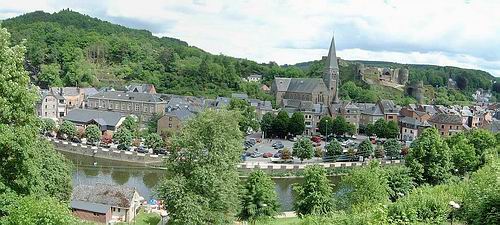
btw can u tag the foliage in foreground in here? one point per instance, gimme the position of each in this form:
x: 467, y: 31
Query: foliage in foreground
x: 259, y: 200
x: 315, y: 195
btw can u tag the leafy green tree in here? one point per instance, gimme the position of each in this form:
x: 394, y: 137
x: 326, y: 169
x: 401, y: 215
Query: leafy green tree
x: 38, y: 210
x: 463, y: 154
x: 340, y: 126
x: 259, y: 200
x: 93, y: 134
x: 130, y: 123
x: 325, y: 124
x: 280, y: 124
x: 481, y: 140
x: 334, y: 149
x: 392, y: 148
x: 203, y: 185
x: 379, y: 151
x: 391, y: 130
x: 314, y: 196
x: 48, y: 125
x: 296, y: 124
x: 380, y: 128
x: 248, y: 118
x: 124, y: 138
x: 286, y: 154
x: 303, y: 149
x: 364, y: 186
x: 399, y: 181
x: 429, y: 158
x: 68, y: 128
x: 49, y: 75
x: 482, y: 195
x: 266, y: 124
x: 365, y: 149
x: 154, y: 141
x: 152, y: 123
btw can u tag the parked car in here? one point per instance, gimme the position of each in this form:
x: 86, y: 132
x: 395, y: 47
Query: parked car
x: 76, y: 140
x: 292, y: 139
x: 253, y: 141
x: 279, y: 146
x: 267, y: 155
x: 141, y: 149
x: 277, y: 155
x: 160, y: 151
x: 276, y: 143
x: 316, y: 139
x: 256, y: 154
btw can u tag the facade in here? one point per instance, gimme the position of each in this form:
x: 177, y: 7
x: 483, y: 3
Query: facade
x: 389, y: 109
x: 447, y: 124
x: 348, y: 110
x: 121, y: 201
x: 254, y: 78
x: 369, y: 113
x: 103, y: 119
x: 312, y: 113
x: 52, y: 105
x: 143, y: 105
x: 418, y: 115
x: 410, y: 128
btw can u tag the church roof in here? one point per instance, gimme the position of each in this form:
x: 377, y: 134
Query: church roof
x: 305, y: 85
x: 331, y: 61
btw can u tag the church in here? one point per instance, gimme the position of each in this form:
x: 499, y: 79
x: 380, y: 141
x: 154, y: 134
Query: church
x: 311, y: 96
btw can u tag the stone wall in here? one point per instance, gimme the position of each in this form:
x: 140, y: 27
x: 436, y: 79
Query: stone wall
x: 107, y: 153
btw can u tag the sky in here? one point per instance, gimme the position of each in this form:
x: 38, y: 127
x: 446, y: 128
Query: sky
x: 463, y: 33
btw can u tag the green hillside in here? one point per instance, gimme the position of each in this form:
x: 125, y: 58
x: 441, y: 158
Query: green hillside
x: 68, y: 48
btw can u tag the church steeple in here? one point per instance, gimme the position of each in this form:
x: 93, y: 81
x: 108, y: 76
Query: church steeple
x: 331, y: 74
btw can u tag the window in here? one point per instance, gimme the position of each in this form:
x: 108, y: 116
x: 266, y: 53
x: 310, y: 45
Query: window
x: 169, y: 125
x: 110, y: 105
x: 145, y: 109
x: 118, y: 209
x: 61, y: 114
x: 405, y: 130
x: 457, y: 127
x: 451, y: 127
x: 45, y: 113
x: 96, y: 214
x: 45, y: 106
x: 169, y: 118
x: 45, y: 100
x: 114, y: 209
x: 442, y: 126
x: 442, y: 133
x: 136, y: 107
x: 61, y: 101
x: 129, y: 106
x: 411, y: 131
x: 151, y: 109
x: 103, y: 104
x: 117, y: 105
x: 390, y: 117
x: 123, y: 106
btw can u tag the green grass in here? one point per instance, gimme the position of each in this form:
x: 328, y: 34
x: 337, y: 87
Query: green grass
x: 143, y: 218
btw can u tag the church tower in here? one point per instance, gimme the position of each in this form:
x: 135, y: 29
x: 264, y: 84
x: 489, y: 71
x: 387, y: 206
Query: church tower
x: 331, y: 75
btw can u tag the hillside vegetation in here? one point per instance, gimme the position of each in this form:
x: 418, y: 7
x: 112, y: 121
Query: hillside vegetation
x: 67, y: 48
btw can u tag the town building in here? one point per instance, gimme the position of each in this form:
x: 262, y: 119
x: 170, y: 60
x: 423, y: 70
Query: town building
x: 411, y: 127
x: 141, y: 88
x: 143, y: 105
x: 447, y: 124
x: 105, y: 120
x: 105, y: 203
x: 254, y: 78
x: 348, y: 110
x: 411, y: 112
x: 51, y: 105
x: 312, y: 113
x: 369, y: 113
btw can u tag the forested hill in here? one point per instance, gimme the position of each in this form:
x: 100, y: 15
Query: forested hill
x: 68, y: 48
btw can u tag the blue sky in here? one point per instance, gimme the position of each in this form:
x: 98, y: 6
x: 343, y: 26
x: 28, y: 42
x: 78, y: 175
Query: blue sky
x: 445, y: 32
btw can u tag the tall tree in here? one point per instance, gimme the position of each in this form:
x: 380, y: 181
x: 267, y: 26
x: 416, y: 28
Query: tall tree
x: 391, y: 130
x: 365, y: 149
x: 297, y: 125
x: 41, y: 210
x: 429, y: 158
x: 340, y: 126
x: 280, y: 125
x: 481, y: 140
x: 202, y: 186
x: 68, y: 128
x: 314, y: 196
x: 399, y: 181
x: 124, y: 138
x: 49, y: 75
x: 463, y: 154
x: 154, y: 141
x: 130, y: 123
x: 93, y: 134
x: 248, y: 118
x: 303, y: 149
x: 259, y: 200
x: 392, y: 148
x: 334, y: 149
x: 325, y: 125
x: 266, y: 124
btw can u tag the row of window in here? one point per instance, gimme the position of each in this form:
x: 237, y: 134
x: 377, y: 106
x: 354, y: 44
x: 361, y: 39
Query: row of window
x: 123, y: 106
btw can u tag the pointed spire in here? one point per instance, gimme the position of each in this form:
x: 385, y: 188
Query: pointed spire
x: 331, y: 61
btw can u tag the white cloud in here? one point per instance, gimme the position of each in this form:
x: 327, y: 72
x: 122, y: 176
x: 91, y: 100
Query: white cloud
x: 453, y: 32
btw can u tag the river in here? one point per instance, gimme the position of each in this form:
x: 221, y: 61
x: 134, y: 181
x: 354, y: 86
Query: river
x: 89, y: 170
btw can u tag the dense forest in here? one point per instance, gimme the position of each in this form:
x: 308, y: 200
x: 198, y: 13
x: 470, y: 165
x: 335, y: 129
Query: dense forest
x: 67, y: 49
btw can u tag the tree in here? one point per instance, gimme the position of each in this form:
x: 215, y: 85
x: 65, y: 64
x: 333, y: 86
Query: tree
x: 154, y: 141
x: 325, y: 125
x: 49, y: 75
x: 68, y: 128
x: 130, y: 123
x: 379, y: 151
x: 303, y: 149
x: 124, y: 138
x: 93, y: 134
x: 340, y: 126
x: 280, y: 124
x: 481, y: 140
x: 429, y: 158
x: 392, y: 148
x: 286, y: 154
x: 248, y: 118
x: 48, y: 125
x: 463, y: 154
x: 314, y: 196
x: 152, y: 123
x: 365, y: 149
x: 391, y: 130
x: 365, y: 186
x: 203, y: 185
x: 296, y: 124
x: 334, y: 149
x: 379, y: 128
x: 29, y: 165
x: 38, y: 210
x: 259, y: 200
x: 266, y: 124
x: 399, y: 181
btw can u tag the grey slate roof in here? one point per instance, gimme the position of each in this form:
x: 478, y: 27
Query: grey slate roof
x: 66, y: 91
x: 446, y: 119
x: 332, y: 56
x: 89, y: 91
x: 141, y: 88
x: 306, y: 85
x: 128, y: 96
x: 182, y: 114
x: 106, y: 194
x: 90, y: 206
x: 370, y: 109
x: 104, y: 118
x: 388, y: 106
x: 281, y: 83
